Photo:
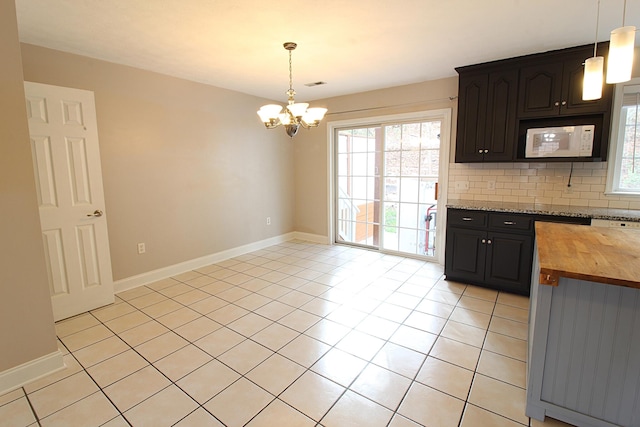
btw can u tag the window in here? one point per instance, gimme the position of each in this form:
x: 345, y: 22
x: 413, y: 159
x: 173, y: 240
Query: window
x: 624, y: 159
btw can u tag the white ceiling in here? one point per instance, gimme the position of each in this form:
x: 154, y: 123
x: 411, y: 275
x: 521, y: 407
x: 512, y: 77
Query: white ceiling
x: 353, y: 45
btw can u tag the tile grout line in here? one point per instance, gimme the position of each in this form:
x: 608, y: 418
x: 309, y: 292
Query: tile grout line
x: 324, y: 317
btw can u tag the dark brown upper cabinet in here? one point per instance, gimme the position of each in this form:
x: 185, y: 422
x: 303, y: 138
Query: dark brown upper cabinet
x: 554, y: 87
x: 499, y: 100
x: 487, y: 116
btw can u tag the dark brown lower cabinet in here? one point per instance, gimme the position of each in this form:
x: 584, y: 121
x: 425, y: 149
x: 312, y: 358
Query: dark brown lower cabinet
x: 494, y: 249
x: 497, y: 260
x: 509, y: 260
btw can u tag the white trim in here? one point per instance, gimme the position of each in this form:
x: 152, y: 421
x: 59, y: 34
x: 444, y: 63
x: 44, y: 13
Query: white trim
x: 35, y: 369
x: 173, y: 270
x: 443, y: 180
x: 443, y: 183
x: 314, y: 238
x: 615, y: 148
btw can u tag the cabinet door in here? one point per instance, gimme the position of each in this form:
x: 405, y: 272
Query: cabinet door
x: 472, y: 103
x: 572, y: 102
x: 501, y: 116
x: 465, y: 254
x: 508, y: 263
x: 540, y: 90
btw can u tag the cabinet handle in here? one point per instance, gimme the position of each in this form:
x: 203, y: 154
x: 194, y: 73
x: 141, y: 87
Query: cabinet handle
x: 486, y: 151
x: 480, y: 151
x: 489, y: 241
x: 484, y: 240
x: 466, y: 218
x: 557, y: 104
x: 564, y: 102
x: 509, y: 223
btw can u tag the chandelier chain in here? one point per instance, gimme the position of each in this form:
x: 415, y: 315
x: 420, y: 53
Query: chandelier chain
x: 290, y: 73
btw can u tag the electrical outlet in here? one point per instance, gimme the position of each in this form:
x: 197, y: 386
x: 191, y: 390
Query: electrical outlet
x: 141, y: 248
x: 491, y: 185
x: 268, y: 220
x: 462, y: 185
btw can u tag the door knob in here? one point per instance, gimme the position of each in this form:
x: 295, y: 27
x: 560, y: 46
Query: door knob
x: 97, y: 212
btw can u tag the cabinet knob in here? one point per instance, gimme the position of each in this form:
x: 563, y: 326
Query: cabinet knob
x: 489, y: 241
x: 480, y: 151
x: 484, y: 240
x: 557, y: 104
x: 486, y: 151
x: 564, y: 102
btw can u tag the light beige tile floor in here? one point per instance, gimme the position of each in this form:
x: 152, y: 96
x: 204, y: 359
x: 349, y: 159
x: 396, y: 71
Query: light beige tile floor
x: 297, y: 334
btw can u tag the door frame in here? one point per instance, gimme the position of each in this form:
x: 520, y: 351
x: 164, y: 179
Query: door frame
x: 444, y: 115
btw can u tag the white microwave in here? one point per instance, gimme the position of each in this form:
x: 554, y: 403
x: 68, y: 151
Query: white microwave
x: 561, y: 141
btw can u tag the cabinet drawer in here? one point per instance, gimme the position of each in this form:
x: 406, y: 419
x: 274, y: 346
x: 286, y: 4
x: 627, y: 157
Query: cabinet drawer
x: 499, y: 221
x: 464, y: 218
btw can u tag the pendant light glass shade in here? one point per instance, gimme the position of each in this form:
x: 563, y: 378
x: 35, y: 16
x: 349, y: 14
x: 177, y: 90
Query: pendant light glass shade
x: 298, y: 109
x: 285, y: 118
x: 621, y: 54
x: 593, y: 78
x: 314, y: 115
x: 269, y: 112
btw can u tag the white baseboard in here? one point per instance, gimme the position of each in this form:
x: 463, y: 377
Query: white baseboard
x: 314, y: 238
x: 174, y: 270
x: 30, y: 371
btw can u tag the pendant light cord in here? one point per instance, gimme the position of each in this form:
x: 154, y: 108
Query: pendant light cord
x: 595, y: 45
x: 624, y: 12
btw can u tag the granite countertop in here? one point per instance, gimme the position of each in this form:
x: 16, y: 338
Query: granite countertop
x: 540, y: 209
x: 597, y: 254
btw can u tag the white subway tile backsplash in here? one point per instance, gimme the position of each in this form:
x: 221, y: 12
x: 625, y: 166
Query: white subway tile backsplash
x: 598, y: 203
x: 591, y: 180
x: 619, y: 204
x: 539, y: 183
x: 579, y: 202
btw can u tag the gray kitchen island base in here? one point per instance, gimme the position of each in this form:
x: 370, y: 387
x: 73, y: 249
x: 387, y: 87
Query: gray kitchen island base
x: 584, y: 353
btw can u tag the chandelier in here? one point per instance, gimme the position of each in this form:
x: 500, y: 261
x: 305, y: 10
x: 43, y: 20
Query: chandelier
x: 295, y: 114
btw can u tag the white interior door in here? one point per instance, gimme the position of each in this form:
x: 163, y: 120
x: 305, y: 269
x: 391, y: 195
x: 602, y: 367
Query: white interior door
x: 66, y: 160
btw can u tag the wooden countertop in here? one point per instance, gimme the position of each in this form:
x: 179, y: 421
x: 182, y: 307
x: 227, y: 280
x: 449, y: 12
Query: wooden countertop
x: 597, y: 254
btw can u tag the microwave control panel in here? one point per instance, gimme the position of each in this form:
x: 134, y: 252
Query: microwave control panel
x: 586, y: 140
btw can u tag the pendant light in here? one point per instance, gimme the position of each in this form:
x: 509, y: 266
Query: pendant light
x: 295, y: 114
x: 593, y: 70
x: 621, y: 48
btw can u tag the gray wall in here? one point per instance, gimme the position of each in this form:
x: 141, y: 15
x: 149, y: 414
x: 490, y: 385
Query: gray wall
x: 26, y: 318
x: 188, y: 169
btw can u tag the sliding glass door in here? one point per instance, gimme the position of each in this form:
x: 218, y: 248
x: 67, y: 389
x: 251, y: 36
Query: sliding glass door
x: 386, y: 184
x: 358, y: 176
